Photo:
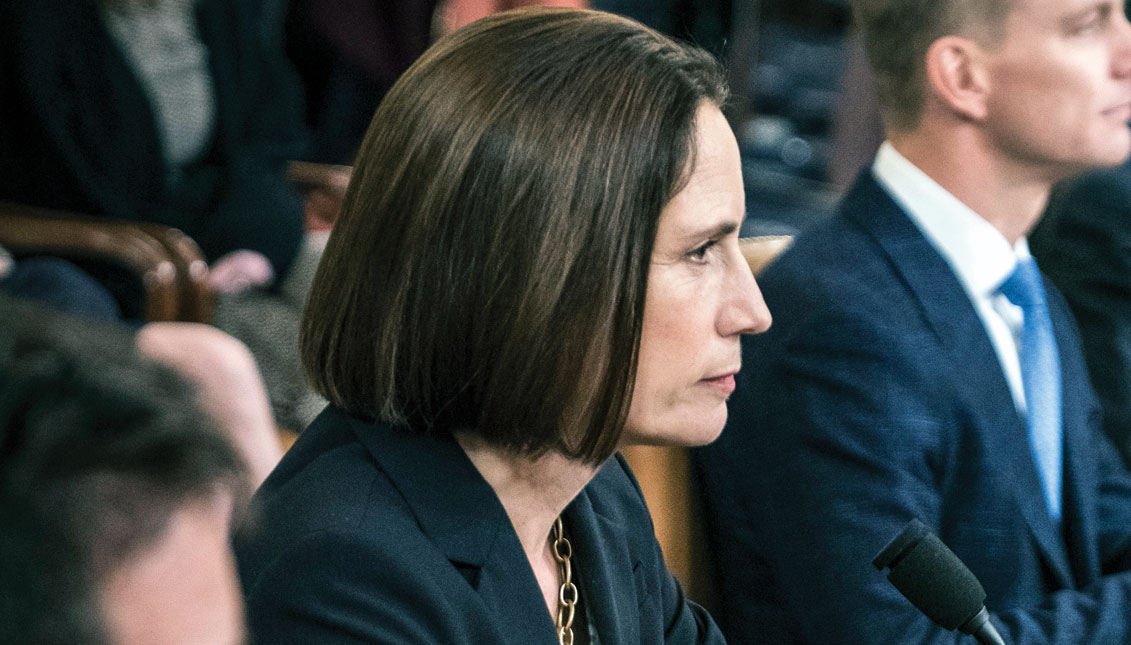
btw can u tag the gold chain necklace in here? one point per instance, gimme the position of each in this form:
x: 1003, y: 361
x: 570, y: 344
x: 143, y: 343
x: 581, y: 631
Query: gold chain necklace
x: 567, y: 595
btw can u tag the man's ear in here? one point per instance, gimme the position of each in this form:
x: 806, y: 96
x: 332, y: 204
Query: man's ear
x: 957, y: 78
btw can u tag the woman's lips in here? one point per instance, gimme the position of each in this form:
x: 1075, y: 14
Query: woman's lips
x: 724, y: 383
x: 1121, y: 111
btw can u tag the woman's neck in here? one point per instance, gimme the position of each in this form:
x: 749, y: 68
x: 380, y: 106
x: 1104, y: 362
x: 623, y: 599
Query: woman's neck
x: 533, y: 492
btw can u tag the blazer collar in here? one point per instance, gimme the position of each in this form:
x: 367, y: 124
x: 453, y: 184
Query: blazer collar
x: 454, y: 505
x: 459, y: 512
x: 947, y: 309
x: 606, y: 567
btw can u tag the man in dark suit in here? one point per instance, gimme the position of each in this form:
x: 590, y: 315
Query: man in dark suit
x: 919, y: 366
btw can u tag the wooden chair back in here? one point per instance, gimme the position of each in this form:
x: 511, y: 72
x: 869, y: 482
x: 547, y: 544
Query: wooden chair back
x: 169, y: 265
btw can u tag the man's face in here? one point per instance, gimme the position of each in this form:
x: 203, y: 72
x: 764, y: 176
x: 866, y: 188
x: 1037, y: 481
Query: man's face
x: 182, y: 589
x: 1060, y: 86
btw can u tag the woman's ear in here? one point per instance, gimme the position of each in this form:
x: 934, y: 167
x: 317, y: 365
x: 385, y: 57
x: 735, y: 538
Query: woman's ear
x: 957, y: 77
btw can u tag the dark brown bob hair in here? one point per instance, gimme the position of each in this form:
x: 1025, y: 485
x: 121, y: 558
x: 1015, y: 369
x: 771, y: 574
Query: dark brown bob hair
x: 489, y: 266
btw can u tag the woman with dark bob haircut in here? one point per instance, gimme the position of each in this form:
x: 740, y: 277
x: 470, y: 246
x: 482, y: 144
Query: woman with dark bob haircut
x: 537, y: 263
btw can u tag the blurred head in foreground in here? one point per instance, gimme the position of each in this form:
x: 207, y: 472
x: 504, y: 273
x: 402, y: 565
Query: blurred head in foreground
x: 115, y: 494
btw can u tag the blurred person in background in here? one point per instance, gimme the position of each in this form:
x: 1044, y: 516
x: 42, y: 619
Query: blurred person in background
x: 1083, y: 244
x: 921, y: 366
x: 349, y: 53
x: 178, y: 112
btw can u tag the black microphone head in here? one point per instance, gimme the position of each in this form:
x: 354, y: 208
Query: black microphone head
x: 928, y: 574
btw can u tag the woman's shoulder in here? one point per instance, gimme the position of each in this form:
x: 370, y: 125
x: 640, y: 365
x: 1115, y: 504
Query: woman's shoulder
x: 327, y: 455
x: 327, y: 484
x: 346, y: 541
x: 335, y: 584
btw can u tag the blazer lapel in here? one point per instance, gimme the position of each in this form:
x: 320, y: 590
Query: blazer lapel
x: 947, y: 309
x: 457, y: 509
x: 606, y: 569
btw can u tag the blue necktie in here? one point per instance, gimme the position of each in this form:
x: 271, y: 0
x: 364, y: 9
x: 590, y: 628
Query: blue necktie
x: 1040, y: 372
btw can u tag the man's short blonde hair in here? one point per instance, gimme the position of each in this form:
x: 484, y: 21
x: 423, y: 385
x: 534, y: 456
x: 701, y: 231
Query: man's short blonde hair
x: 897, y: 35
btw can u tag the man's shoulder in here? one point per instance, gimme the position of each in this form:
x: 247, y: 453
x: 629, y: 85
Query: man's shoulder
x: 867, y: 261
x: 827, y: 247
x: 835, y: 269
x: 847, y: 243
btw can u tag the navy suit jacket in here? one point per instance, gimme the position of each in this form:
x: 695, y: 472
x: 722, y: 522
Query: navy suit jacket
x: 366, y: 533
x: 875, y: 398
x: 1084, y: 245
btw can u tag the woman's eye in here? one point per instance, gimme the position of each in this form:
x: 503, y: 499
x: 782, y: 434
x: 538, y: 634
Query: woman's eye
x: 1094, y: 21
x: 699, y: 255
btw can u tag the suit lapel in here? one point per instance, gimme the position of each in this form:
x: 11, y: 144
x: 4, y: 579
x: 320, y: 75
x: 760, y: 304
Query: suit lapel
x: 457, y: 509
x: 1080, y: 476
x: 604, y: 566
x: 947, y: 309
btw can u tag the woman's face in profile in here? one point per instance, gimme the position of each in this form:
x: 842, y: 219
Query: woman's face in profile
x: 701, y: 298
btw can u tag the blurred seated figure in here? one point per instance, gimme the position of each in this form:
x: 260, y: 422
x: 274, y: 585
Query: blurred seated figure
x: 58, y: 284
x: 1083, y: 244
x: 116, y: 494
x: 180, y: 112
x: 172, y: 111
x: 349, y: 53
x: 537, y: 264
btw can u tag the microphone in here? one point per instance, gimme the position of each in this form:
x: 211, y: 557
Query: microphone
x: 928, y: 574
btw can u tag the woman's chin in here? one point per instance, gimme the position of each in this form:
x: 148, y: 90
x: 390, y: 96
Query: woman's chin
x: 690, y: 432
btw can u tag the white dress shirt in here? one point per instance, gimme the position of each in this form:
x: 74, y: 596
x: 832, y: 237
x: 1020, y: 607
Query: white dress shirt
x: 978, y: 253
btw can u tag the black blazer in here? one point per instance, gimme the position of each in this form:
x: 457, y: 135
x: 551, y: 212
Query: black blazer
x: 1083, y: 244
x: 368, y: 533
x: 876, y: 398
x: 77, y: 131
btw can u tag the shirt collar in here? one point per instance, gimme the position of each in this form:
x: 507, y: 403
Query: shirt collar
x: 977, y: 252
